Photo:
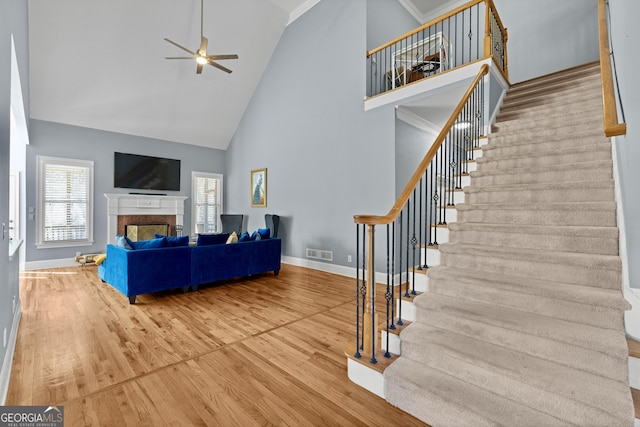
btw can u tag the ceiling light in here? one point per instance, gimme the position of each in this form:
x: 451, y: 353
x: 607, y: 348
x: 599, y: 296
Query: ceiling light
x: 201, y: 60
x: 462, y: 125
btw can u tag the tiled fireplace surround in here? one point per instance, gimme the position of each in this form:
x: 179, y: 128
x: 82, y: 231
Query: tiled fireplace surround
x: 139, y: 209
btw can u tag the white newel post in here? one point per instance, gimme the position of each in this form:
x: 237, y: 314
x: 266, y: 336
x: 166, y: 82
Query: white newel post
x: 141, y: 204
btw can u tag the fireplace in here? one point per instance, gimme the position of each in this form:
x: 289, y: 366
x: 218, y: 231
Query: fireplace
x: 142, y: 209
x: 137, y: 232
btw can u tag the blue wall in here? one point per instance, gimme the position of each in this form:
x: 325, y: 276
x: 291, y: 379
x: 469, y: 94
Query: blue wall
x: 13, y: 21
x: 625, y: 35
x: 326, y: 158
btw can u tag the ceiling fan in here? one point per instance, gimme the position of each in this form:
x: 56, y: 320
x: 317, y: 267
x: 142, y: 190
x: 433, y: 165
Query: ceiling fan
x: 200, y: 55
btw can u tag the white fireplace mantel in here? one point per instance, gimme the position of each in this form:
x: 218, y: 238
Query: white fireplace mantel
x: 141, y: 204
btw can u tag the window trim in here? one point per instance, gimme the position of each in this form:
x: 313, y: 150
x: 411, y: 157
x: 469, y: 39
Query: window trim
x: 41, y: 162
x: 210, y: 175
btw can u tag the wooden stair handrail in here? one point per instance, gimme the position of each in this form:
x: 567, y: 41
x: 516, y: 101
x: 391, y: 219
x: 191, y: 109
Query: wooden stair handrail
x: 417, y: 175
x: 611, y: 125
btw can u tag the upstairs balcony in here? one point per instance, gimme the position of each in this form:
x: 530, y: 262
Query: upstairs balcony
x: 472, y: 34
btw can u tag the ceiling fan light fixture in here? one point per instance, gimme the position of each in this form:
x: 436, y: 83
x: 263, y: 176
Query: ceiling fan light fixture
x: 201, y: 60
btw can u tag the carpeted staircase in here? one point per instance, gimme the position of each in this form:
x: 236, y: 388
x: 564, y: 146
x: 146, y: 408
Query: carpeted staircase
x: 523, y: 321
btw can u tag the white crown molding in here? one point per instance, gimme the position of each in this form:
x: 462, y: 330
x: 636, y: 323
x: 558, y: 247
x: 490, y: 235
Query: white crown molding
x: 301, y: 10
x: 411, y: 8
x: 415, y: 120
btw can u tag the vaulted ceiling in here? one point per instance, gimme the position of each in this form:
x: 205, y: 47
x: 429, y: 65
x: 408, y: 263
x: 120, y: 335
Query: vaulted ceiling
x: 100, y: 64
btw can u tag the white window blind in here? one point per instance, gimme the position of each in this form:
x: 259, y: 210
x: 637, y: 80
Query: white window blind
x: 66, y: 195
x: 207, y: 202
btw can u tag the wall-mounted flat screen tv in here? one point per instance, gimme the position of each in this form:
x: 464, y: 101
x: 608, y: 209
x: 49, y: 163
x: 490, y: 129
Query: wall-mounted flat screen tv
x: 146, y: 172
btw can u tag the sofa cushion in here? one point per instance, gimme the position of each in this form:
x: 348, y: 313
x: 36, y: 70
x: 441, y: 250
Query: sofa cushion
x: 174, y: 241
x: 233, y: 238
x: 244, y: 237
x: 123, y: 242
x: 151, y: 244
x: 212, y: 239
x: 264, y: 233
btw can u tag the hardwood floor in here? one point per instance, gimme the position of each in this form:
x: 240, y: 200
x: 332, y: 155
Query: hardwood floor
x: 262, y: 351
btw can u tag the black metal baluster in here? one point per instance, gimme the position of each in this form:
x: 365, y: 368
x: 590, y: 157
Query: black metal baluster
x: 387, y: 296
x: 372, y: 287
x: 414, y: 242
x: 420, y: 229
x: 406, y: 286
x: 393, y: 275
x: 363, y: 287
x: 358, y: 355
x: 400, y: 220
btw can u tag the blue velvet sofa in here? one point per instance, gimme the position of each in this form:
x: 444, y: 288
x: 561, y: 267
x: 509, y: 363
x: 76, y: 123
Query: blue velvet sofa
x: 141, y: 271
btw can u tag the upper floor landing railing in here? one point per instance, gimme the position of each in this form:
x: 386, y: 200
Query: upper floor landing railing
x: 469, y: 33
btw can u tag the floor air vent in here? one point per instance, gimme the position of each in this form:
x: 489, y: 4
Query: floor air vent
x: 318, y: 254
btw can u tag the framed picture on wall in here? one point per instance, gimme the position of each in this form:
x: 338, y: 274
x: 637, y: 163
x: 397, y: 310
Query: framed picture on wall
x: 259, y: 188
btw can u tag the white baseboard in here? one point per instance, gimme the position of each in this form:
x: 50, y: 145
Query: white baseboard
x: 50, y: 263
x: 333, y: 268
x: 5, y: 373
x: 632, y: 295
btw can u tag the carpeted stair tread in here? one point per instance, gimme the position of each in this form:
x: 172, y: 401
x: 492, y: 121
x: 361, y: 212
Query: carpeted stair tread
x: 571, y: 86
x: 583, y: 171
x: 544, y: 298
x: 543, y: 206
x: 567, y: 392
x: 578, y: 191
x: 595, y: 240
x: 575, y: 185
x: 601, y: 271
x: 543, y: 151
x: 540, y: 134
x: 451, y: 402
x: 586, y: 99
x: 525, y: 145
x: 585, y: 338
x: 585, y: 72
x: 597, y: 297
x: 554, y: 122
x: 566, y: 108
x: 593, y: 149
x: 582, y: 166
x: 603, y: 232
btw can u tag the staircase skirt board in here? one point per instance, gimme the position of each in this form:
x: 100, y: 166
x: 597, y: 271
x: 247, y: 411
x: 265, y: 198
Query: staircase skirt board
x: 522, y: 321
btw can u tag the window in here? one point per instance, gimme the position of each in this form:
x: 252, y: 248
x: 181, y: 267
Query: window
x: 206, y: 196
x: 65, y: 202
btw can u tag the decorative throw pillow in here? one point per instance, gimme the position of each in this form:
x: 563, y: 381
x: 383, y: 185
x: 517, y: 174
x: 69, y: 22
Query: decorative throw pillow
x: 233, y: 238
x: 212, y: 239
x: 151, y: 244
x: 123, y: 242
x: 264, y: 233
x: 254, y: 236
x: 244, y: 237
x: 99, y: 259
x: 174, y: 241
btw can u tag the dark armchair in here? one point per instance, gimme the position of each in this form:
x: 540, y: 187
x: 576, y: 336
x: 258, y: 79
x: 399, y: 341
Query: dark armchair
x: 272, y: 222
x: 231, y: 223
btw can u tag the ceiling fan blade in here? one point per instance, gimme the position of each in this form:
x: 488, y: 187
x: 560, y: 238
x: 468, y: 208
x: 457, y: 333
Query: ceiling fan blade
x: 203, y: 46
x: 199, y: 68
x: 218, y: 57
x: 181, y: 47
x: 178, y: 57
x: 219, y: 66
